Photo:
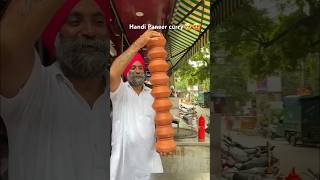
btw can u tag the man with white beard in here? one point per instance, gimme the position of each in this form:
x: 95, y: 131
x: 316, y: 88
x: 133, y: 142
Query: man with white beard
x: 133, y: 155
x: 56, y: 117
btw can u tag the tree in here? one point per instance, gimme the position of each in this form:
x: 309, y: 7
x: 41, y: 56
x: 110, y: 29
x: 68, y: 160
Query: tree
x: 195, y: 71
x: 272, y: 44
x: 257, y: 44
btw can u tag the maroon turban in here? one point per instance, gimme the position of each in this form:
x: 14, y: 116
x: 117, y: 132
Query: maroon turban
x: 50, y: 32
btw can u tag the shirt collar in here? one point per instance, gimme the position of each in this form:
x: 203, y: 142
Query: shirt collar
x: 57, y: 72
x: 145, y: 88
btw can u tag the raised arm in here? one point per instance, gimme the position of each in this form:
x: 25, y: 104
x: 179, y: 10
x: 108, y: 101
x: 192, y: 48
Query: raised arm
x: 120, y: 63
x: 20, y: 28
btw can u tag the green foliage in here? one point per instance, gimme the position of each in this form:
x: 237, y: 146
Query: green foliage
x: 231, y: 77
x: 188, y: 75
x: 272, y: 44
x: 256, y: 45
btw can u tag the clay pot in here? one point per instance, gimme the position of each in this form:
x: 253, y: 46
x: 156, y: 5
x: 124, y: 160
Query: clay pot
x: 156, y: 42
x: 165, y: 145
x: 157, y: 52
x: 158, y: 65
x: 159, y: 78
x: 161, y: 104
x: 164, y: 131
x: 160, y: 91
x: 163, y: 118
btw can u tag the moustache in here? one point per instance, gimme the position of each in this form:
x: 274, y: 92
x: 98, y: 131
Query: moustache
x: 81, y: 44
x: 137, y: 76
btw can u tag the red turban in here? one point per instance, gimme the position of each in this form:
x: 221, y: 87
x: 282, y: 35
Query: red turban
x: 136, y: 57
x: 50, y: 32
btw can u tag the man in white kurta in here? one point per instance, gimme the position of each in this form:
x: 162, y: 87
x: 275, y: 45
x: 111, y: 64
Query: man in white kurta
x: 57, y: 117
x: 133, y: 155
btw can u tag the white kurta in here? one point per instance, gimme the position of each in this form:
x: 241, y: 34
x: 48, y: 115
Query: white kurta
x: 53, y: 133
x: 133, y: 155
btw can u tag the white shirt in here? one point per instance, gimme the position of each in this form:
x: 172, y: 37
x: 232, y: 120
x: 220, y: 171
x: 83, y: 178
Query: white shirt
x: 53, y: 133
x: 133, y: 155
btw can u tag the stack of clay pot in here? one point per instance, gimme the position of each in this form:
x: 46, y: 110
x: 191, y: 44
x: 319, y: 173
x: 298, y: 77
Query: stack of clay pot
x: 161, y: 92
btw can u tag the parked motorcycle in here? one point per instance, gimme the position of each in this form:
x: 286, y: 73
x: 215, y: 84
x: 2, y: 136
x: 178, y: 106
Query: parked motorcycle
x: 242, y: 162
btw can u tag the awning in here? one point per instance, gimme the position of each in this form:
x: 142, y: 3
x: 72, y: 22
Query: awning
x: 183, y: 43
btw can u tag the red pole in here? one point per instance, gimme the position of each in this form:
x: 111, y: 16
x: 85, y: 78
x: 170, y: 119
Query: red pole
x: 201, y: 129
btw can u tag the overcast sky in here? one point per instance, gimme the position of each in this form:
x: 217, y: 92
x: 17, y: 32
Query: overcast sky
x: 271, y: 7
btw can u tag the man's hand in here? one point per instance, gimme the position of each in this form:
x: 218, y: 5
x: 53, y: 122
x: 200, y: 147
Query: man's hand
x: 166, y: 154
x: 146, y: 37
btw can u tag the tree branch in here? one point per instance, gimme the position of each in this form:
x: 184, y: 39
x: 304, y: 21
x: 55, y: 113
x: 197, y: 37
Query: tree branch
x: 290, y: 28
x: 258, y: 36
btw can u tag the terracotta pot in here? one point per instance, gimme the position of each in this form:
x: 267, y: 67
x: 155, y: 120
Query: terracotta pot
x: 160, y: 91
x: 157, y: 52
x: 159, y: 78
x: 158, y: 65
x: 164, y: 131
x: 163, y: 118
x: 156, y: 42
x: 165, y: 145
x: 161, y: 104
